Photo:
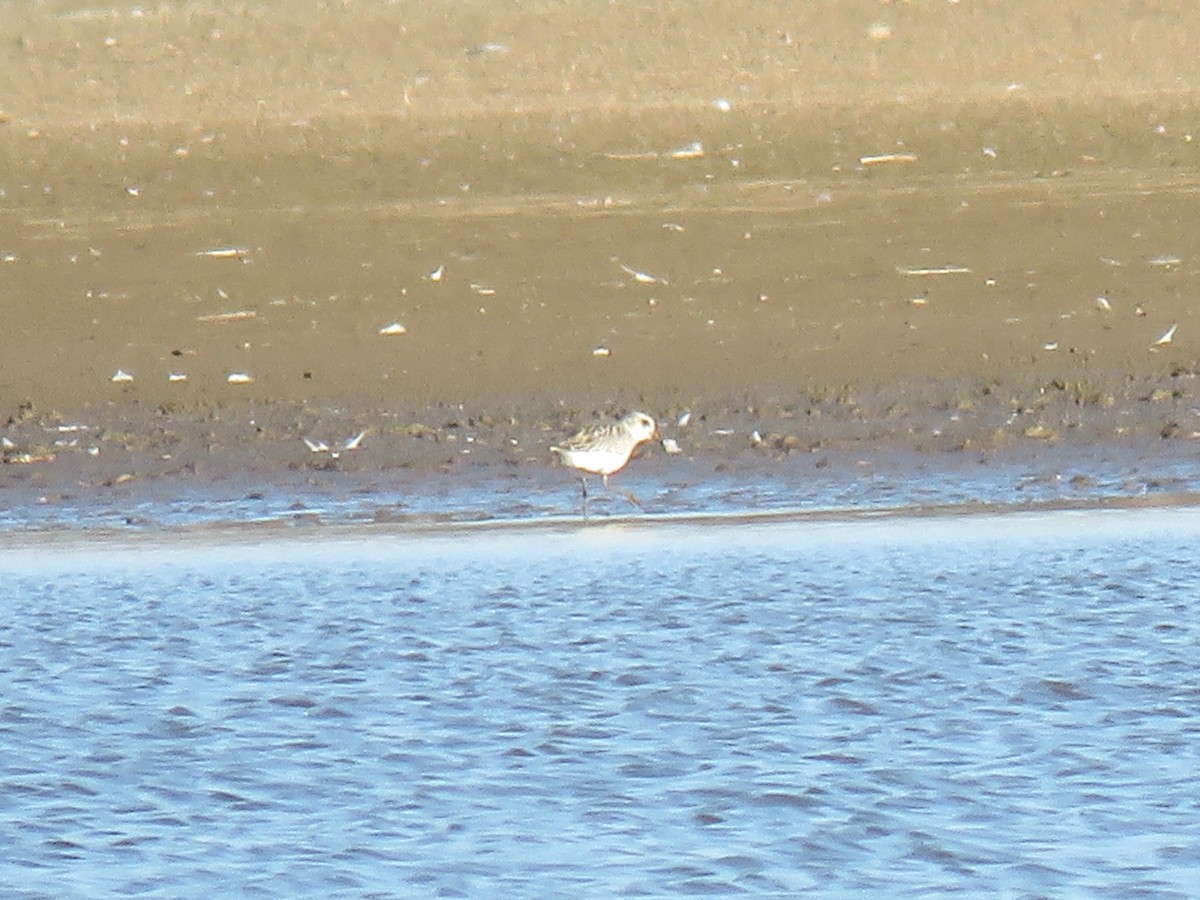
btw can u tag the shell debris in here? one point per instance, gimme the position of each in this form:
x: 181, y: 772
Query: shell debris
x: 394, y: 328
x: 486, y: 48
x: 176, y: 376
x: 879, y: 159
x: 437, y: 274
x: 26, y: 459
x: 694, y: 150
x: 933, y: 270
x: 319, y: 446
x: 671, y: 446
x: 601, y: 352
x: 1167, y: 336
x: 879, y: 31
x: 235, y: 316
x: 121, y: 377
x: 239, y: 378
x: 642, y: 277
x: 224, y: 252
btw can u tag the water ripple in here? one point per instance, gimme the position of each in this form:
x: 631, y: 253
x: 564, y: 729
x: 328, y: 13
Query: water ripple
x: 971, y: 705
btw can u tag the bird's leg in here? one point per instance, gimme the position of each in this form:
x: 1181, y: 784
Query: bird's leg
x: 626, y: 494
x: 583, y: 481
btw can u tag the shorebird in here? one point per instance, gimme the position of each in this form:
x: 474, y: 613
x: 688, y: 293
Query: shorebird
x: 605, y: 449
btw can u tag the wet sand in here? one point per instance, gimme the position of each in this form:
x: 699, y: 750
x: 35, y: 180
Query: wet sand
x: 943, y: 229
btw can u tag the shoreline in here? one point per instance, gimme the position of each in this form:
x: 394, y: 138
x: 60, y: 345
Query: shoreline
x: 302, y: 525
x: 850, y: 482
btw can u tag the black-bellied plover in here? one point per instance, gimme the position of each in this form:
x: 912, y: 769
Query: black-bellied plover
x: 605, y: 449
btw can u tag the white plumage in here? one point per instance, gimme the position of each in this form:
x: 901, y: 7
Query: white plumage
x: 605, y: 449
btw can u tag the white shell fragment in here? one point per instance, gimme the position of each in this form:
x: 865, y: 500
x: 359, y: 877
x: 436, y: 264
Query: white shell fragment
x: 933, y: 270
x: 223, y: 252
x: 684, y: 420
x: 437, y: 274
x: 488, y: 47
x: 1167, y: 336
x: 879, y: 31
x: 601, y: 352
x: 671, y: 445
x: 239, y: 378
x: 694, y: 150
x: 880, y: 159
x: 121, y: 376
x: 1164, y: 261
x: 25, y: 459
x: 235, y: 316
x: 394, y: 328
x: 176, y: 376
x: 641, y: 277
x: 1103, y: 305
x: 319, y: 446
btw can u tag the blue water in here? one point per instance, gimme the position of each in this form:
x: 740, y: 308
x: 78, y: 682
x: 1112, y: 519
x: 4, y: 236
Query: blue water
x: 1000, y: 705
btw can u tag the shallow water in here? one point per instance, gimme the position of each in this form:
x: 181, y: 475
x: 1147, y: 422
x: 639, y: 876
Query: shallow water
x: 1056, y: 477
x: 955, y: 704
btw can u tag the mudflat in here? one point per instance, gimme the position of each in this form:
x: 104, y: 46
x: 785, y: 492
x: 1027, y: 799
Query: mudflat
x: 235, y: 238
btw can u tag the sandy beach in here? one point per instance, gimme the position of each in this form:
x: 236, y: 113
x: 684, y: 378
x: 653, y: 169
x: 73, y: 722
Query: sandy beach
x: 229, y: 235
